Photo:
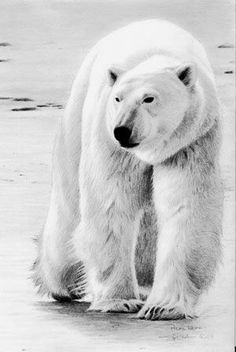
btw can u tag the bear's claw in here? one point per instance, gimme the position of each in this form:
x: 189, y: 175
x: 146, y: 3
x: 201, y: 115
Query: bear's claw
x: 156, y: 312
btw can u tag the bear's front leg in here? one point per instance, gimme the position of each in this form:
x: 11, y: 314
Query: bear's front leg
x: 188, y: 201
x: 106, y: 243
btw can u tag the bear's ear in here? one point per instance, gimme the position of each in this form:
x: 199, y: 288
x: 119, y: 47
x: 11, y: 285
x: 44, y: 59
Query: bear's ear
x: 113, y: 74
x: 187, y: 73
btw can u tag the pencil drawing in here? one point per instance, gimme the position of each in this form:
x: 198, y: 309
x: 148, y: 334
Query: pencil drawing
x: 117, y: 175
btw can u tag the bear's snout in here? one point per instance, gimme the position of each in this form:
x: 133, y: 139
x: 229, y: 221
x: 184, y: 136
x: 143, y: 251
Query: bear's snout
x: 123, y: 136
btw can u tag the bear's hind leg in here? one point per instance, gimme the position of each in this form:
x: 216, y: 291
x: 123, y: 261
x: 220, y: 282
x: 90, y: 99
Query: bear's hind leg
x: 57, y: 271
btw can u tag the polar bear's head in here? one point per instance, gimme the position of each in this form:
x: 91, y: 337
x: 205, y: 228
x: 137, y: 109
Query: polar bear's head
x: 145, y: 108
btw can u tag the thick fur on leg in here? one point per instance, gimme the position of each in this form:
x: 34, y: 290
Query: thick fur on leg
x: 145, y: 254
x: 71, y: 282
x: 64, y: 283
x: 106, y: 237
x: 189, y: 207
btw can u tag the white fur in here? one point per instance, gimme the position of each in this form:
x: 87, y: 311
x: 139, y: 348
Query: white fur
x: 101, y: 190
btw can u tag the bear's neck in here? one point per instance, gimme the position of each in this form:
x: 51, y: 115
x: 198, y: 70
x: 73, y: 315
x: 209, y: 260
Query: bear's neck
x: 202, y: 151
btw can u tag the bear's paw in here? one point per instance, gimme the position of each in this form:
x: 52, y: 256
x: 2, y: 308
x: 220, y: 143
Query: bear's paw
x: 117, y: 305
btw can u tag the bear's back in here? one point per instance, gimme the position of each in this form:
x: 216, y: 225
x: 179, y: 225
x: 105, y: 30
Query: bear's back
x: 138, y: 41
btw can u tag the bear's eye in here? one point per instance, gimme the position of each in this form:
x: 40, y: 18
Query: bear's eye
x: 117, y: 99
x: 148, y: 100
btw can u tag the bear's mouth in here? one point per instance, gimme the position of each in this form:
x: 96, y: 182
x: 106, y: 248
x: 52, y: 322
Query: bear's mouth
x: 129, y: 145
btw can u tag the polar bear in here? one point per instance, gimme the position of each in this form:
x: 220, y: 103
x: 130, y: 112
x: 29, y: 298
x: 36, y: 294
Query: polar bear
x: 134, y: 223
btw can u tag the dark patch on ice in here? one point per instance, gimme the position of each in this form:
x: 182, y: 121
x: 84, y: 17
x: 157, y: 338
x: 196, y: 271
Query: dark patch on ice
x: 7, y: 179
x: 59, y: 106
x: 5, y: 98
x: 24, y: 109
x: 22, y: 99
x: 225, y: 46
x: 50, y: 105
x: 5, y: 44
x: 4, y: 60
x: 229, y: 72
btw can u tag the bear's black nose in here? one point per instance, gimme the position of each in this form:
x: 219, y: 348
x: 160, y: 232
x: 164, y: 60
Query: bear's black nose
x: 122, y: 134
